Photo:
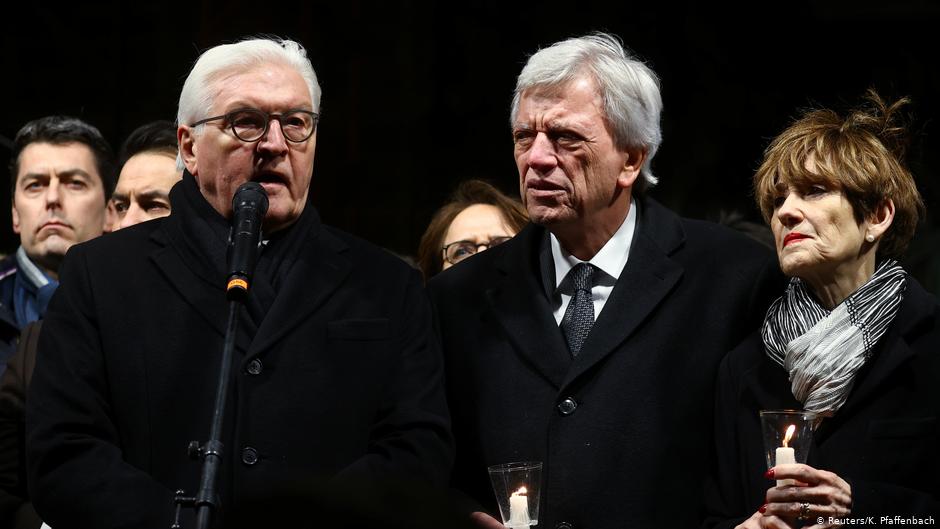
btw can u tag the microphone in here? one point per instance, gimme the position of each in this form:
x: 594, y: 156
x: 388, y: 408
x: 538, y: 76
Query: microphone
x: 249, y: 205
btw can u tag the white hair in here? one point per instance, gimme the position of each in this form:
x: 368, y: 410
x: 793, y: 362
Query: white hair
x: 629, y: 89
x: 198, y: 93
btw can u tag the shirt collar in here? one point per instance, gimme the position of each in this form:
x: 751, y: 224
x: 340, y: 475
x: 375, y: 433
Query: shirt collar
x: 30, y: 271
x: 611, y: 258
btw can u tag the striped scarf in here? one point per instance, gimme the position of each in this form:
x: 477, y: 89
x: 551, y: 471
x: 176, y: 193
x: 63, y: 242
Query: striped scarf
x: 822, y: 350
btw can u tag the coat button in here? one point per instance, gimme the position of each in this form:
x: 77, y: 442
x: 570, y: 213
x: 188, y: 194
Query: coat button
x: 563, y: 525
x: 249, y: 456
x: 567, y: 406
x: 254, y: 367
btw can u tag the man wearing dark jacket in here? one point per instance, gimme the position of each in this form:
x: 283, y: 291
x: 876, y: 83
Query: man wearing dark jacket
x: 337, y: 375
x: 61, y: 175
x: 590, y: 341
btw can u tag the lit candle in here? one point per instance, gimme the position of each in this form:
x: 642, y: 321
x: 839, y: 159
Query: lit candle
x: 519, y: 509
x: 786, y: 456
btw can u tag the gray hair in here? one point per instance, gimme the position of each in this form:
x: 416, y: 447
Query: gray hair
x: 197, y: 96
x: 629, y: 89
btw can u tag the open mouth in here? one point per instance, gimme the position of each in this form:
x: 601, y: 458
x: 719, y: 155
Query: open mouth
x: 269, y: 179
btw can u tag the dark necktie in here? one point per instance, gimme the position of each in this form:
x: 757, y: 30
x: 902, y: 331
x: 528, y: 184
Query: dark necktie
x: 579, y: 316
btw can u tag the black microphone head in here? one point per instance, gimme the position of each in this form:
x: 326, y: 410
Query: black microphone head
x: 250, y: 195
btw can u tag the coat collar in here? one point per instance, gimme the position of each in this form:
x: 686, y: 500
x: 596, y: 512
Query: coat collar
x: 319, y: 269
x: 521, y: 305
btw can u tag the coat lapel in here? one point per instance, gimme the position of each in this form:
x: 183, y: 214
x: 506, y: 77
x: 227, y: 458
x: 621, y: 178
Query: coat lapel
x: 894, y: 350
x: 198, y: 291
x: 520, y: 306
x: 648, y: 277
x: 322, y: 265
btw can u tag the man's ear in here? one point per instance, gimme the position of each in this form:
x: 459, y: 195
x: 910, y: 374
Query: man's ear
x: 186, y: 138
x: 16, y: 218
x: 635, y: 157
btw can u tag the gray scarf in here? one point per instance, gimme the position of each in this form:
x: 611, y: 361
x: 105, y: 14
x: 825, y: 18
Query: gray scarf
x: 823, y: 350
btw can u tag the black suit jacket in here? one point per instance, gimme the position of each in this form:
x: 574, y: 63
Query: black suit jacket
x: 342, y: 378
x: 882, y: 440
x: 623, y: 429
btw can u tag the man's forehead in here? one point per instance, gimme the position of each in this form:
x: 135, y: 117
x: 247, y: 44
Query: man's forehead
x: 44, y: 149
x: 265, y: 86
x: 145, y: 189
x: 148, y: 170
x: 558, y: 101
x: 45, y: 157
x: 582, y: 85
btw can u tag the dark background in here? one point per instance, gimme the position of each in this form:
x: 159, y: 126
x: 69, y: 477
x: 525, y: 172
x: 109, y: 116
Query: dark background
x: 416, y: 94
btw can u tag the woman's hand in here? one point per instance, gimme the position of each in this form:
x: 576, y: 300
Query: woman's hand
x: 818, y: 496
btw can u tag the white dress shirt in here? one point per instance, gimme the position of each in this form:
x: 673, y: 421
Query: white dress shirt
x: 609, y: 261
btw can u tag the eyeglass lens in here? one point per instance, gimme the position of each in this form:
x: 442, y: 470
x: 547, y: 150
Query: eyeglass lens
x: 250, y: 125
x: 460, y: 250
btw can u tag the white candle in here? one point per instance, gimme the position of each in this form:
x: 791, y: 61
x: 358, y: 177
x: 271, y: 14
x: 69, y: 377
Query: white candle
x: 518, y: 509
x: 786, y: 456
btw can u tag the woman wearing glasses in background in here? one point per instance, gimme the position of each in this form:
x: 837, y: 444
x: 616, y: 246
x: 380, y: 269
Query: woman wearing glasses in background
x: 478, y: 216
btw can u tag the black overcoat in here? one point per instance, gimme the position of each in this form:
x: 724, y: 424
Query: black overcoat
x: 342, y: 377
x: 623, y: 430
x: 882, y: 441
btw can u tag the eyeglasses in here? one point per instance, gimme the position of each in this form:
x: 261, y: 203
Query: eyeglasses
x: 459, y: 250
x: 251, y: 124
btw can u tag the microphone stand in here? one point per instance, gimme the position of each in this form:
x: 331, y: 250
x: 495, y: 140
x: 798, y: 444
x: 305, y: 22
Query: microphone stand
x: 206, y: 500
x: 249, y: 204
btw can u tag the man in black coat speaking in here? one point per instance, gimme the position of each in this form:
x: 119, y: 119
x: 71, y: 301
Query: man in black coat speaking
x: 337, y: 374
x: 590, y: 341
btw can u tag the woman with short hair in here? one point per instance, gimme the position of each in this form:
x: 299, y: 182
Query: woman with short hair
x: 853, y: 339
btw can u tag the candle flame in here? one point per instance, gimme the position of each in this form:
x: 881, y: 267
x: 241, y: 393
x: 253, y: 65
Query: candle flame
x: 521, y: 492
x: 790, y: 431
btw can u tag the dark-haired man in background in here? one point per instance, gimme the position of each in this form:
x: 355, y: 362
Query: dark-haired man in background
x: 61, y: 174
x: 148, y: 171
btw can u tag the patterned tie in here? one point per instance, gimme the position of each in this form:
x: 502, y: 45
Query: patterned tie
x: 579, y: 316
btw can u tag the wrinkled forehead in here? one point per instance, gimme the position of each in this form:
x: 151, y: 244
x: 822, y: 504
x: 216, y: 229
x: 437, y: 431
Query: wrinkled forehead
x: 563, y: 88
x: 577, y: 101
x: 265, y: 85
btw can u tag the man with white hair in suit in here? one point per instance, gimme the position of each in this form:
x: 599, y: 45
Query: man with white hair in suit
x: 337, y: 375
x: 591, y: 340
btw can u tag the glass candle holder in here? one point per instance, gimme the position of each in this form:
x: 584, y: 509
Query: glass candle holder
x: 517, y: 487
x: 788, y: 435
